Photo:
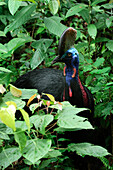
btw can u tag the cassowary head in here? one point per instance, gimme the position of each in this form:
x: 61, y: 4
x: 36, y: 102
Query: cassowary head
x: 67, y: 53
x: 66, y: 50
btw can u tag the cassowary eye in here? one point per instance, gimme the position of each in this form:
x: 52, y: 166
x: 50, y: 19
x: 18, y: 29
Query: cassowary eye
x: 69, y: 54
x: 75, y: 53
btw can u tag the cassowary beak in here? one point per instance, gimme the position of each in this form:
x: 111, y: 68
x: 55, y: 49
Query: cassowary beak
x: 56, y: 59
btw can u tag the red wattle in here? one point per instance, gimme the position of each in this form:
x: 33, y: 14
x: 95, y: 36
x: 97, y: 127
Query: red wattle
x: 70, y: 92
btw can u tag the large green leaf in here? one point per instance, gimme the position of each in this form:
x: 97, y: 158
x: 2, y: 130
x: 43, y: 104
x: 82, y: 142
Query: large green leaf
x: 8, y: 156
x: 38, y: 57
x: 20, y: 138
x: 41, y: 121
x: 13, y: 6
x: 36, y: 149
x: 88, y: 149
x: 92, y: 30
x: 109, y: 45
x: 69, y: 119
x: 85, y: 15
x: 17, y: 42
x: 40, y: 54
x: 44, y: 43
x: 54, y: 26
x: 21, y: 17
x: 74, y: 10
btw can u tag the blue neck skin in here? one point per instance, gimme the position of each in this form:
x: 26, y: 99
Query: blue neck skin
x: 71, y: 59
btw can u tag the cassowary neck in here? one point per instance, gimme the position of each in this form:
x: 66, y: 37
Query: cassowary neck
x: 75, y: 81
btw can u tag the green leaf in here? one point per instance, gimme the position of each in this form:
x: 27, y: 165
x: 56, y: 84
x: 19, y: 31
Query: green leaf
x: 2, y: 3
x: 10, y: 97
x: 38, y: 57
x: 69, y: 119
x: 2, y: 34
x: 108, y: 6
x: 13, y: 6
x: 98, y: 62
x: 36, y: 149
x: 97, y: 2
x: 89, y: 79
x: 21, y: 17
x: 20, y: 138
x: 53, y: 6
x: 74, y: 10
x: 92, y: 30
x: 2, y: 69
x: 41, y: 121
x: 54, y: 26
x: 109, y: 45
x: 88, y: 149
x: 40, y: 54
x: 3, y: 134
x: 44, y: 43
x: 17, y: 42
x: 8, y: 156
x: 26, y: 118
x: 3, y: 49
x: 85, y: 15
x: 22, y: 125
x: 109, y: 21
x: 101, y: 71
x: 53, y: 153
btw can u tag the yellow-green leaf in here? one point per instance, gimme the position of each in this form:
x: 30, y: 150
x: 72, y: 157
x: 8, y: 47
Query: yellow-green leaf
x: 7, y: 115
x: 51, y: 97
x: 26, y: 118
x: 31, y: 99
x: 15, y: 91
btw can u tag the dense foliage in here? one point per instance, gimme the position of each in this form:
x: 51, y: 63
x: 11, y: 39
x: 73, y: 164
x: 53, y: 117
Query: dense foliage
x: 29, y: 33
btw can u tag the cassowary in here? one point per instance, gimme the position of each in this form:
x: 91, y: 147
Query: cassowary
x: 63, y: 86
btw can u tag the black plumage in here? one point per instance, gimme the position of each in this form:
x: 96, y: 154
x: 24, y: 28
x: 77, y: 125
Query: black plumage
x: 53, y: 81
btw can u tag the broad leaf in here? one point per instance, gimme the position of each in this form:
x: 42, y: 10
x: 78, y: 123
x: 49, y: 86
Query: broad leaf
x: 21, y: 17
x: 74, y: 10
x: 38, y: 57
x: 8, y: 156
x: 20, y: 138
x: 88, y: 149
x: 3, y: 134
x: 54, y: 26
x: 69, y: 119
x: 15, y: 91
x: 53, y: 6
x: 92, y: 30
x: 7, y: 115
x: 41, y: 122
x: 36, y: 149
x: 13, y: 6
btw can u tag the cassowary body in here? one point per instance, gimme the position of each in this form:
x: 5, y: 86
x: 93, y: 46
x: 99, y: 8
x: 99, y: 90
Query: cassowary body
x: 63, y: 86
